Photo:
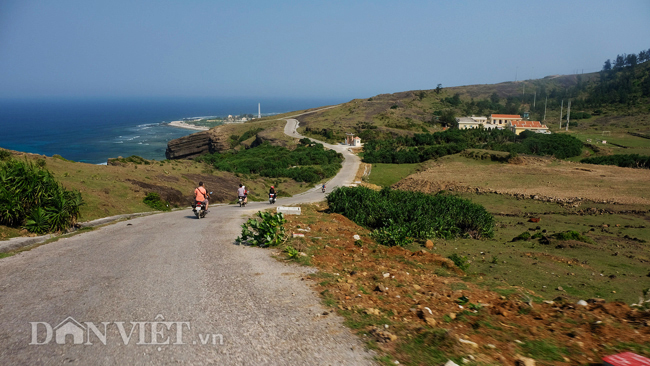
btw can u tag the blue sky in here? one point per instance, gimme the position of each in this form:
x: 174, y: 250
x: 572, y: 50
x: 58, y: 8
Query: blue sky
x: 329, y: 49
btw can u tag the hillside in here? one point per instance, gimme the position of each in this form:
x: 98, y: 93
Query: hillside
x: 597, y: 105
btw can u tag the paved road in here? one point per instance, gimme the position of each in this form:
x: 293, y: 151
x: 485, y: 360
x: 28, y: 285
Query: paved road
x: 167, y: 289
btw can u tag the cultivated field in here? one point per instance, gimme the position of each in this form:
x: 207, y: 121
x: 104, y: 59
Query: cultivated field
x: 530, y: 176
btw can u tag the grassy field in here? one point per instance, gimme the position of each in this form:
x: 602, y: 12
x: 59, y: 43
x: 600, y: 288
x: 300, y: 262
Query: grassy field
x: 385, y: 175
x: 613, y: 265
x: 534, y: 176
x: 619, y: 241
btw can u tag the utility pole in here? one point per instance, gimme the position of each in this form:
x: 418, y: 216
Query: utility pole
x: 561, y: 107
x: 534, y: 100
x: 516, y: 72
x: 545, y: 102
x: 568, y: 114
x: 524, y: 91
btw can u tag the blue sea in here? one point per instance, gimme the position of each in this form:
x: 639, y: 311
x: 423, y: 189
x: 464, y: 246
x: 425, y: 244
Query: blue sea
x: 93, y: 130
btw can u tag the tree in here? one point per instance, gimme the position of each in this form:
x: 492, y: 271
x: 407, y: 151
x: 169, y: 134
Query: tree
x: 448, y: 119
x: 438, y: 88
x: 620, y: 62
x: 494, y: 98
x: 607, y: 66
x: 643, y: 56
x: 631, y: 60
x: 454, y: 101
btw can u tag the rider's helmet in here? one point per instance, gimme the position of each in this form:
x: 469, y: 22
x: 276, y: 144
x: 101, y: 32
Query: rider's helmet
x: 272, y: 187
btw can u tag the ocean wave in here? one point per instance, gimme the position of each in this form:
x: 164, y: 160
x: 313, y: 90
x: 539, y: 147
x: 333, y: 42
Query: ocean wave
x: 127, y: 138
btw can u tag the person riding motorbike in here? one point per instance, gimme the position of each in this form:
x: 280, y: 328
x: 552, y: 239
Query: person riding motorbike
x: 272, y: 193
x: 242, y: 193
x: 201, y: 195
x: 323, y: 188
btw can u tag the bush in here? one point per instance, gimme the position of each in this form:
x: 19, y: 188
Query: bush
x: 269, y: 231
x: 624, y: 161
x: 403, y: 214
x: 392, y: 236
x: 137, y: 160
x: 31, y: 197
x: 422, y: 147
x: 572, y: 235
x: 304, y: 164
x: 154, y: 201
x: 460, y: 261
x: 5, y: 154
x: 523, y: 236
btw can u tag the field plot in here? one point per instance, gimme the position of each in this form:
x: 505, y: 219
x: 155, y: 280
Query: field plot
x: 617, y: 142
x: 385, y: 175
x: 534, y: 176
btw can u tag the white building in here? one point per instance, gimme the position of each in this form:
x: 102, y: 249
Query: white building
x: 465, y: 123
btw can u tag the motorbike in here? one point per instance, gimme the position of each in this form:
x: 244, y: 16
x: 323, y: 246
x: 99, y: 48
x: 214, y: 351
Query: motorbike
x: 272, y: 198
x: 242, y: 202
x: 323, y: 189
x: 199, y: 209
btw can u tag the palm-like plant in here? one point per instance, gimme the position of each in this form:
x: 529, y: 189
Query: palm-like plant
x: 38, y: 221
x: 31, y: 196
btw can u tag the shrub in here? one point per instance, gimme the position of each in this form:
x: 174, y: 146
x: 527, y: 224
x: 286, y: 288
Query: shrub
x: 392, y: 236
x: 31, y: 197
x: 291, y: 252
x: 5, y: 154
x: 411, y: 214
x: 427, y: 146
x: 523, y: 236
x: 137, y: 160
x: 154, y: 201
x: 624, y: 161
x: 460, y: 261
x: 268, y: 231
x: 304, y: 164
x: 572, y: 235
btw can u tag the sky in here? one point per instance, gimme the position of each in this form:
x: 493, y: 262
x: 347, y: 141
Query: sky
x: 302, y: 49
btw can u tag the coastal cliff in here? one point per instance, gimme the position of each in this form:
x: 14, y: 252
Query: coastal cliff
x: 196, y: 144
x: 218, y: 139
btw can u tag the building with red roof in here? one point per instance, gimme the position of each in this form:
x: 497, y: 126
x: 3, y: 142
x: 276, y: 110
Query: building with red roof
x: 503, y: 119
x: 520, y: 126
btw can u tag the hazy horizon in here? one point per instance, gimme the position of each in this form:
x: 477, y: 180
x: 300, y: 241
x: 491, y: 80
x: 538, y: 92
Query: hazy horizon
x: 254, y: 49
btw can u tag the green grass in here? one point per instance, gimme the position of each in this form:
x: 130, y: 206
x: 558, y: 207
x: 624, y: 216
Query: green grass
x: 577, y: 267
x: 431, y: 347
x: 543, y: 350
x: 385, y: 175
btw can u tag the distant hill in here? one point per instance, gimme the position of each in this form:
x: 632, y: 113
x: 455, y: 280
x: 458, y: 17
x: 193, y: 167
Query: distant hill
x: 613, y: 99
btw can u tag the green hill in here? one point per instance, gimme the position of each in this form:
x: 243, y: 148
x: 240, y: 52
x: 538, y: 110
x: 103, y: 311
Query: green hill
x: 613, y: 99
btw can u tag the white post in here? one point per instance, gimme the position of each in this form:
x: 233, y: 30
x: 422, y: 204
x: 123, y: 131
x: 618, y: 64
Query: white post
x: 568, y: 114
x: 259, y: 111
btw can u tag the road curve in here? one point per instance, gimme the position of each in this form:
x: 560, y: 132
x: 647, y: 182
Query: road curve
x: 168, y: 289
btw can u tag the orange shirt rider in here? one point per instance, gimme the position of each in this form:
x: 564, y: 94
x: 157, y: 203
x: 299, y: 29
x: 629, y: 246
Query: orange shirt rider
x: 201, y: 195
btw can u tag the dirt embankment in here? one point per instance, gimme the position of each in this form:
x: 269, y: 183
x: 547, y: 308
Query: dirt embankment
x: 425, y: 299
x: 548, y: 180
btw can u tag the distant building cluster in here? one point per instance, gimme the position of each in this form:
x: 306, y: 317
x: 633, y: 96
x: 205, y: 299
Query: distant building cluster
x: 238, y: 119
x: 513, y: 122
